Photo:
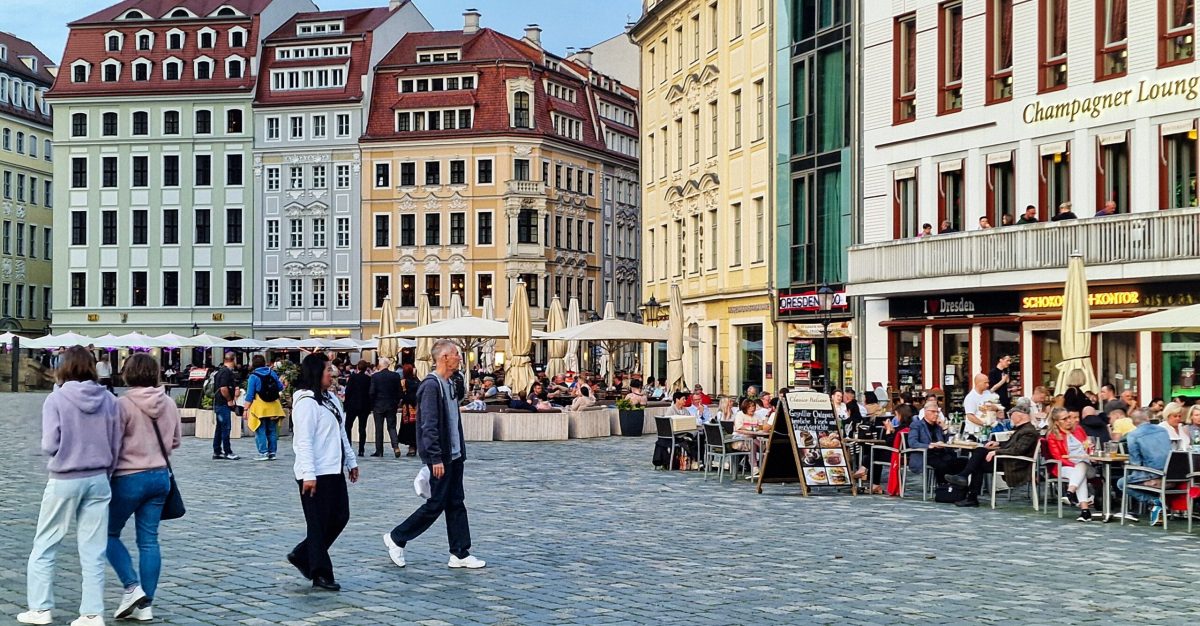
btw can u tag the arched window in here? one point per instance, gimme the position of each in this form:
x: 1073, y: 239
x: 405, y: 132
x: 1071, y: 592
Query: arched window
x: 226, y: 12
x: 203, y: 122
x: 233, y: 121
x: 180, y: 13
x: 521, y: 110
x: 203, y: 70
x: 141, y: 123
x: 141, y: 70
x: 171, y: 123
x: 233, y: 68
x: 172, y: 70
x: 108, y: 124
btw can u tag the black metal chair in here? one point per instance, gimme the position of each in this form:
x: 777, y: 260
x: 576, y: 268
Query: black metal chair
x: 719, y: 447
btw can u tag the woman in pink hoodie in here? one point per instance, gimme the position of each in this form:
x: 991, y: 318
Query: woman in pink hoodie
x: 141, y: 482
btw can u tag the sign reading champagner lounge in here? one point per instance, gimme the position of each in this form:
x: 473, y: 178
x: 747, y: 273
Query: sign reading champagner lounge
x: 1187, y: 88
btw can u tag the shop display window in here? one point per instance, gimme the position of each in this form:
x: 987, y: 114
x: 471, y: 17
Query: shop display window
x: 1119, y: 361
x: 1181, y: 360
x: 910, y: 357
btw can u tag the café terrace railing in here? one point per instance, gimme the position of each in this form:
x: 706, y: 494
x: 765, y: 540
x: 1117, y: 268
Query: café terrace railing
x: 1168, y: 235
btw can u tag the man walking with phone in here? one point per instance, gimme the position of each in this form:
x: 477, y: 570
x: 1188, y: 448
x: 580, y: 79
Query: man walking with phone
x: 441, y: 446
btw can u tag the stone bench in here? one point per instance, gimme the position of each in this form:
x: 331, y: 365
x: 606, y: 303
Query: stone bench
x: 478, y: 426
x: 547, y: 426
x: 588, y: 424
x: 206, y: 425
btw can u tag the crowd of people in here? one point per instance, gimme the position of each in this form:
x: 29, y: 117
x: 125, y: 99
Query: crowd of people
x: 1030, y: 216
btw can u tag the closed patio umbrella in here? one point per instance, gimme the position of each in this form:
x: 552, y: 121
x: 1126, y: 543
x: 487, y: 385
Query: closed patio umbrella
x: 572, y: 358
x: 556, y: 349
x: 387, y: 326
x: 488, y: 348
x: 424, y: 360
x: 519, y: 375
x: 675, y: 342
x: 1074, y: 337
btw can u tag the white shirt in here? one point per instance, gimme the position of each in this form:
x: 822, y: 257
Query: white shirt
x: 971, y: 405
x: 319, y: 438
x: 103, y: 369
x: 1179, y: 441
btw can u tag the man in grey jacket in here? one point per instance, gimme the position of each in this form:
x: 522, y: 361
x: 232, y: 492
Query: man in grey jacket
x: 441, y: 446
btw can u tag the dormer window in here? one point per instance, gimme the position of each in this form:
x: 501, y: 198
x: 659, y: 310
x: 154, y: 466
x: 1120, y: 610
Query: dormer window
x: 237, y: 37
x: 112, y: 71
x: 145, y: 41
x: 3, y: 53
x: 172, y: 69
x: 439, y: 56
x: 79, y: 71
x: 133, y: 15
x: 181, y: 13
x: 112, y: 42
x: 141, y: 70
x: 208, y: 39
x: 321, y: 28
x: 226, y: 12
x: 175, y: 40
x: 521, y: 117
x: 233, y: 67
x: 203, y: 68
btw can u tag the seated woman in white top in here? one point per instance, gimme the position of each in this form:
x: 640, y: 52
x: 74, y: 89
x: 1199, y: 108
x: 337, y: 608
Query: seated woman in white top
x: 583, y: 398
x: 750, y: 419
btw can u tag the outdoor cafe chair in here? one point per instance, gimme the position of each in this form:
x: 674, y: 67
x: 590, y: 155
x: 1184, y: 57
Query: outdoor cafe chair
x: 887, y: 466
x: 1033, y: 473
x: 1058, y: 480
x: 1177, y: 470
x: 666, y: 431
x: 906, y: 454
x: 719, y: 447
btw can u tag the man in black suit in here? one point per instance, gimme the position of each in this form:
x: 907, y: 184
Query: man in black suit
x: 385, y: 395
x: 358, y: 403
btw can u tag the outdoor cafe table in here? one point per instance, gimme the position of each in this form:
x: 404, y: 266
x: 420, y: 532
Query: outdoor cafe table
x: 1108, y: 460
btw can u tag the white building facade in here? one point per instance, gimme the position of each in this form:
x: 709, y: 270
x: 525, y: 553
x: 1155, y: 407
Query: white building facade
x: 1088, y: 106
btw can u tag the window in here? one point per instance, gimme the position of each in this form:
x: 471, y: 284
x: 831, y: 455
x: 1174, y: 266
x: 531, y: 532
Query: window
x: 905, y: 80
x: 343, y: 124
x: 233, y: 68
x: 737, y: 119
x: 408, y: 291
x: 108, y: 289
x: 203, y: 122
x: 233, y: 170
x: 1111, y: 29
x: 172, y: 70
x: 696, y: 37
x: 318, y: 177
x: 206, y: 39
x: 237, y: 38
x: 79, y: 229
x: 111, y: 72
x: 433, y: 229
x: 408, y: 174
x: 7, y: 237
x: 318, y: 293
x: 342, y: 235
x: 737, y: 19
x: 1001, y: 190
x: 233, y: 121
x: 318, y: 232
x: 108, y: 171
x: 79, y: 73
x: 1054, y: 185
x: 8, y: 136
x: 1176, y: 26
x: 383, y: 175
x: 175, y: 41
x: 48, y: 194
x: 108, y: 124
x: 170, y: 170
x: 203, y: 170
x: 760, y: 113
x: 233, y: 226
x: 138, y: 288
x: 141, y: 225
x: 483, y: 175
x: 342, y: 176
x: 714, y: 24
x: 171, y: 123
x: 318, y: 126
x: 295, y: 233
x: 483, y: 228
x: 272, y: 293
x: 272, y: 129
x: 1052, y: 46
x: 527, y: 226
x: 78, y: 289
x: 521, y: 169
x: 433, y: 289
x: 144, y: 41
x: 79, y: 166
x: 382, y: 289
x: 296, y: 177
x: 382, y: 231
x: 272, y: 179
x: 458, y: 229
x: 678, y: 148
x: 950, y: 57
x: 999, y: 50
x: 343, y: 293
x: 295, y: 293
x: 141, y: 123
x: 1177, y: 186
x: 1112, y: 175
x: 170, y: 219
x: 203, y: 226
x: 458, y: 172
x: 678, y: 49
x: 558, y: 221
x: 433, y: 172
x: 695, y: 137
x: 521, y: 118
x: 170, y: 287
x: 737, y: 235
x: 272, y: 234
x: 951, y: 196
x: 483, y: 288
x: 408, y: 230
x: 78, y: 125
x: 296, y: 127
x: 233, y: 288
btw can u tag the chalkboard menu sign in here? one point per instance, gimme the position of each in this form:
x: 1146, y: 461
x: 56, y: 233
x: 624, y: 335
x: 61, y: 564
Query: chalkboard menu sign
x: 805, y: 445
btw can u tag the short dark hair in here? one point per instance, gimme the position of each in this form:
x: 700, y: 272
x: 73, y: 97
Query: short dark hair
x: 747, y: 403
x: 926, y: 225
x: 585, y: 391
x: 363, y: 366
x: 258, y: 361
x: 1030, y: 206
x: 635, y: 384
x: 312, y: 372
x: 141, y: 370
x: 675, y: 397
x: 78, y: 365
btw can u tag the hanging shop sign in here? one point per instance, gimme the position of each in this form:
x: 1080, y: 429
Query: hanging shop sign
x: 957, y: 305
x: 805, y: 302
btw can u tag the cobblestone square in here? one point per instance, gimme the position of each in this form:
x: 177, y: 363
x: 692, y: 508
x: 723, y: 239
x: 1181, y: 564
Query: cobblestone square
x: 584, y: 532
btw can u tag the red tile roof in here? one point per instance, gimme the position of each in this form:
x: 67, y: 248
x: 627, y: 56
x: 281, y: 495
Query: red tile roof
x: 16, y: 67
x: 156, y: 9
x: 429, y: 99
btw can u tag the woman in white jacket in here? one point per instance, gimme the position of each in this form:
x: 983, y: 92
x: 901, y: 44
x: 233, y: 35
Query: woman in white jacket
x: 323, y: 454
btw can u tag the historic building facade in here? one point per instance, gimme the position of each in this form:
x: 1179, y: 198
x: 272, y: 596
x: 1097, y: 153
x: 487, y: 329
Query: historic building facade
x: 708, y: 216
x: 309, y: 112
x: 484, y: 161
x: 26, y: 164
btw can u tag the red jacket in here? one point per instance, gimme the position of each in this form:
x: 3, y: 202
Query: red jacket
x: 1056, y: 448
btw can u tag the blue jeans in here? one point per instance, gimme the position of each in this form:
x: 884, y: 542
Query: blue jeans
x: 141, y: 495
x: 1145, y: 497
x: 267, y: 436
x: 224, y: 426
x: 83, y: 501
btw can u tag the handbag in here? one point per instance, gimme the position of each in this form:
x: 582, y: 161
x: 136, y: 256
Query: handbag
x: 173, y: 507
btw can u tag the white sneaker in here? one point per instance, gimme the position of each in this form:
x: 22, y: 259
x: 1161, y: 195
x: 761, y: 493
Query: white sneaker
x: 88, y: 620
x: 35, y: 617
x: 143, y: 614
x: 262, y: 457
x: 394, y: 551
x: 470, y: 562
x: 129, y: 602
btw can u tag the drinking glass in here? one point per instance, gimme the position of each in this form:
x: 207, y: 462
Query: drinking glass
x: 1094, y: 444
x: 1112, y: 448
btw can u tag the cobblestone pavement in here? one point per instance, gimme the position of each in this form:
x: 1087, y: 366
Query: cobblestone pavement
x: 584, y: 532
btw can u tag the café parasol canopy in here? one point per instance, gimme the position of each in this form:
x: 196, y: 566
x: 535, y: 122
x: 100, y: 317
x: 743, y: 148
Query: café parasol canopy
x: 611, y: 333
x: 572, y: 358
x: 556, y: 350
x: 387, y: 327
x: 519, y: 373
x: 675, y: 342
x: 1184, y: 319
x: 1076, y: 365
x: 488, y: 346
x: 424, y: 356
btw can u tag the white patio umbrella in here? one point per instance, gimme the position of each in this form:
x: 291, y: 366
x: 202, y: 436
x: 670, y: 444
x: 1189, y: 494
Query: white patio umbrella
x: 572, y: 357
x: 59, y: 341
x: 424, y: 356
x: 488, y: 346
x: 205, y: 340
x: 1184, y: 319
x: 456, y: 307
x: 387, y: 327
x: 1074, y: 338
x: 611, y: 334
x: 248, y: 344
x: 108, y: 341
x: 139, y: 340
x: 519, y: 373
x: 171, y: 340
x: 675, y: 342
x: 6, y: 339
x: 556, y: 350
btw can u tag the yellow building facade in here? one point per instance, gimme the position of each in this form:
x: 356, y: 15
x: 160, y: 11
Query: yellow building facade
x: 707, y: 135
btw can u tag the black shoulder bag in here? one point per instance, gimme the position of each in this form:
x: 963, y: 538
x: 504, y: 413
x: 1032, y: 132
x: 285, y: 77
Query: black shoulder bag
x: 173, y: 506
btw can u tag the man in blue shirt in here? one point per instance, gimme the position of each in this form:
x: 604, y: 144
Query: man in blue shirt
x: 1148, y: 445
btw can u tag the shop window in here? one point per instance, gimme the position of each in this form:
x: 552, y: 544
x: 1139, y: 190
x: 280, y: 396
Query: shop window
x: 1176, y: 31
x: 952, y: 216
x: 1111, y: 38
x: 909, y: 351
x: 1052, y: 45
x: 955, y: 372
x: 906, y: 217
x: 1180, y: 363
x: 904, y: 82
x: 1119, y: 361
x: 1177, y: 170
x: 950, y: 24
x: 750, y: 357
x: 1001, y: 192
x: 1047, y: 351
x: 1054, y: 182
x: 1112, y: 176
x: 1001, y: 342
x: 999, y: 50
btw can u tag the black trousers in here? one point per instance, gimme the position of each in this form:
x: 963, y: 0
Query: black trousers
x: 945, y: 462
x: 446, y: 496
x: 360, y: 416
x: 976, y: 469
x: 325, y: 514
x: 388, y: 415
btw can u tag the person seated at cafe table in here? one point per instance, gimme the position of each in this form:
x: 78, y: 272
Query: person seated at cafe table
x: 636, y: 396
x: 1119, y: 424
x: 725, y: 411
x: 1067, y: 443
x: 927, y: 434
x: 583, y: 399
x: 654, y: 391
x: 746, y: 424
x: 521, y: 403
x: 704, y: 398
x: 1148, y: 445
x: 679, y: 404
x: 1172, y: 422
x: 1023, y: 442
x: 1094, y: 424
x: 537, y: 393
x: 558, y: 386
x: 476, y: 403
x: 489, y: 387
x: 698, y: 408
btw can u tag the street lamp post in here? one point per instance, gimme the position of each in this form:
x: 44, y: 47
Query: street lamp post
x: 825, y: 300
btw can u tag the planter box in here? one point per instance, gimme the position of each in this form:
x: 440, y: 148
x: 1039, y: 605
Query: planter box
x: 652, y: 412
x: 530, y: 427
x: 632, y: 422
x: 206, y: 425
x: 588, y: 424
x: 478, y: 426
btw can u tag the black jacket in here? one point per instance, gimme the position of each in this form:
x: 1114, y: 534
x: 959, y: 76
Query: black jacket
x: 433, y: 424
x: 358, y: 393
x: 385, y: 391
x: 1022, y: 442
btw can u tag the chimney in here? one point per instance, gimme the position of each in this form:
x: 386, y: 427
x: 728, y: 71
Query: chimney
x: 533, y: 34
x: 394, y: 4
x: 470, y: 22
x: 585, y: 56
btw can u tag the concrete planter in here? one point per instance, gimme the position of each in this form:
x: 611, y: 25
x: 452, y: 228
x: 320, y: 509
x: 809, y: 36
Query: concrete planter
x: 632, y: 422
x: 206, y: 425
x: 588, y: 424
x: 478, y: 426
x: 530, y: 426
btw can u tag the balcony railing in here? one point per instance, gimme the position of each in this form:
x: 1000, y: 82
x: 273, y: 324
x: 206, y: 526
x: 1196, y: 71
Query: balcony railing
x: 1159, y: 236
x: 527, y: 187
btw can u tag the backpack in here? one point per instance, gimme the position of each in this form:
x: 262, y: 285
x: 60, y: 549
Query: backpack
x: 268, y: 388
x: 210, y: 385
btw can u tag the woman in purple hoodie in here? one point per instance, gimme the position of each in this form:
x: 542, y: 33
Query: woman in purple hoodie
x: 141, y: 482
x: 81, y: 433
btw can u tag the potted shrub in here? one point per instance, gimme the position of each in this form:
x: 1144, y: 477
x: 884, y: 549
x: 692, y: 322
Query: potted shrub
x: 631, y: 417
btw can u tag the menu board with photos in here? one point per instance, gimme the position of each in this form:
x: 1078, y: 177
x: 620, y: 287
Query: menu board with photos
x: 805, y: 445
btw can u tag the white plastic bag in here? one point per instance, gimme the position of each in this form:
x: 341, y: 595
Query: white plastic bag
x: 421, y: 483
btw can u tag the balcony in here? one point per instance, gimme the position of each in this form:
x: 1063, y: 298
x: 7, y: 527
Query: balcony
x: 1150, y: 245
x: 526, y: 187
